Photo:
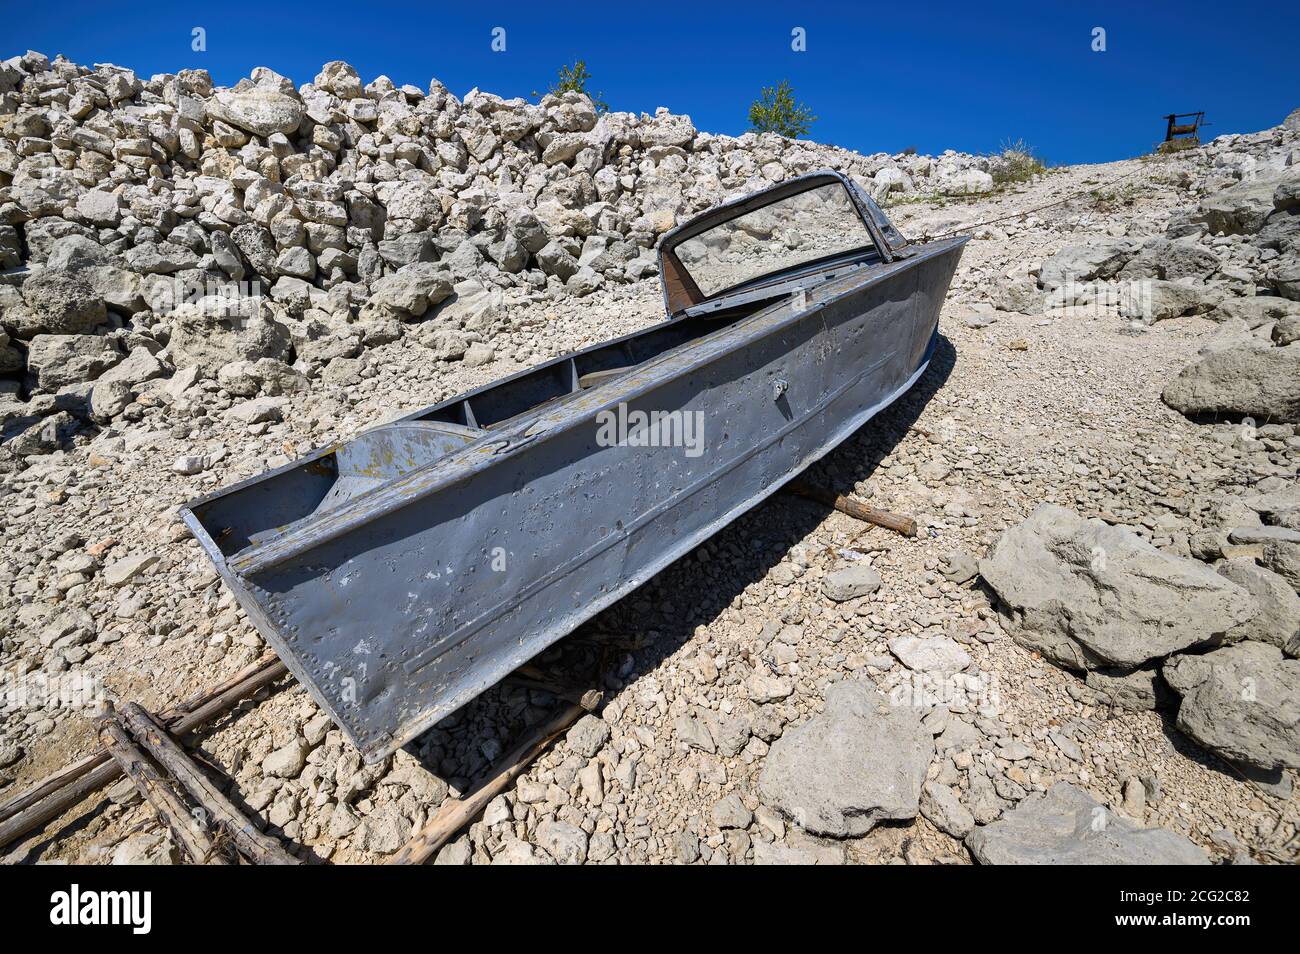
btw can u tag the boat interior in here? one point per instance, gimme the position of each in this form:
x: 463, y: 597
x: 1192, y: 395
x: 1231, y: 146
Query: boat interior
x: 505, y: 400
x: 337, y: 475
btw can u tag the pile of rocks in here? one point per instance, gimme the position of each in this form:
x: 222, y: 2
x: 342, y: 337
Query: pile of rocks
x: 1252, y: 367
x: 1136, y: 619
x: 267, y: 235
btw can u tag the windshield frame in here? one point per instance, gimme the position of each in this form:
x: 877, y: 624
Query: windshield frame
x: 680, y: 290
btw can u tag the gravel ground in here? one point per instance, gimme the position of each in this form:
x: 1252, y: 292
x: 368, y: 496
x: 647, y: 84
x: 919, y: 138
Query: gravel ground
x: 1061, y: 408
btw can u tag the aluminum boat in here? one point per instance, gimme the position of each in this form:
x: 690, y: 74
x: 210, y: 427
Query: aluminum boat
x: 402, y: 573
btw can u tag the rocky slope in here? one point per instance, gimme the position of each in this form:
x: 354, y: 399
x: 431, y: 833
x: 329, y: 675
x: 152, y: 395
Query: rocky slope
x: 353, y: 208
x: 411, y: 245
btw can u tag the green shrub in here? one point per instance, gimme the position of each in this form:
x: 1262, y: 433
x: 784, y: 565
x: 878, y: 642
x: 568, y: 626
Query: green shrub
x: 573, y: 79
x: 776, y: 111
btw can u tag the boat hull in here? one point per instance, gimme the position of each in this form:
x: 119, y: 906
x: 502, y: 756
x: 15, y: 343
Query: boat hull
x: 402, y: 605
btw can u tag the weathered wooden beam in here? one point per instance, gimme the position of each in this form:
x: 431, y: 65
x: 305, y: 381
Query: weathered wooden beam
x: 70, y: 773
x: 589, y: 700
x: 57, y: 793
x: 248, y: 840
x: 156, y: 790
x: 455, y: 815
x: 854, y: 508
x: 221, y: 703
x: 73, y: 791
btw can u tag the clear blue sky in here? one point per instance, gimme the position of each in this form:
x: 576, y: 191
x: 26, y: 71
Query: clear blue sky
x: 879, y: 76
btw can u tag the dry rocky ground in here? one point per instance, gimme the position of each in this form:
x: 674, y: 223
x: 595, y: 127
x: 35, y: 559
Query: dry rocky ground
x: 1041, y: 667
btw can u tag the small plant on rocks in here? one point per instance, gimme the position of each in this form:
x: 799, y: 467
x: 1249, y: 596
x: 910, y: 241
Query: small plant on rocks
x: 574, y: 79
x: 776, y: 111
x: 1016, y: 163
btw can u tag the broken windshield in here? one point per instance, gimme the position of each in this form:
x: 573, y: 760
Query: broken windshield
x: 793, y: 231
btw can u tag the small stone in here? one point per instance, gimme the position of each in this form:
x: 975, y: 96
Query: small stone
x: 592, y: 784
x: 191, y: 464
x: 939, y: 804
x: 145, y: 848
x: 764, y: 687
x: 929, y: 653
x: 1013, y: 750
x: 497, y: 811
x: 1069, y: 748
x: 564, y: 842
x: 287, y: 761
x: 961, y: 568
x: 478, y: 354
x: 457, y: 852
x: 516, y: 852
x: 850, y: 582
x: 1135, y: 799
x: 694, y: 734
x: 383, y: 831
x: 316, y: 728
x: 588, y: 735
x: 258, y: 410
x: 127, y: 569
x: 342, y: 821
x: 10, y: 753
x: 730, y: 812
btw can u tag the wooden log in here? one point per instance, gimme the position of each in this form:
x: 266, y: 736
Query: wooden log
x: 60, y: 780
x: 61, y: 791
x: 199, y: 699
x: 223, y: 702
x: 455, y: 815
x: 589, y: 700
x: 43, y: 812
x: 248, y: 840
x: 854, y: 508
x: 156, y: 790
x: 69, y: 773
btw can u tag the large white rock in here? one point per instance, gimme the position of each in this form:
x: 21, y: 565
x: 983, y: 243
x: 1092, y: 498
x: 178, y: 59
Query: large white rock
x: 1088, y: 595
x: 260, y: 111
x: 100, y: 208
x: 966, y: 182
x: 409, y: 292
x: 1241, y: 702
x: 1247, y: 380
x: 1240, y: 209
x: 860, y: 762
x: 214, y: 331
x: 59, y: 360
x: 1278, y: 622
x: 1152, y: 299
x: 1066, y: 826
x: 1096, y: 258
x: 60, y: 303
